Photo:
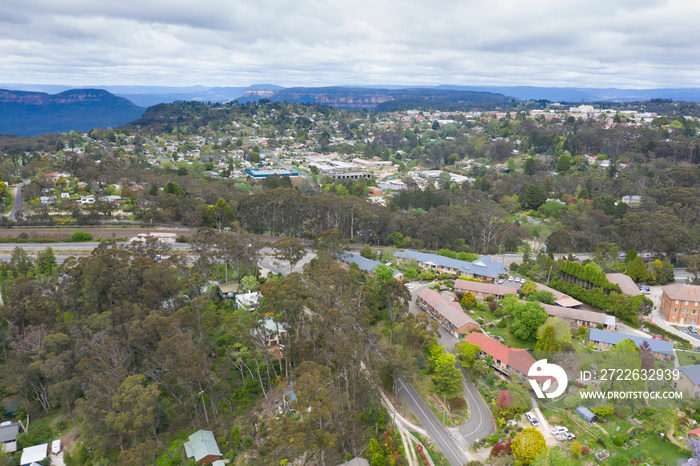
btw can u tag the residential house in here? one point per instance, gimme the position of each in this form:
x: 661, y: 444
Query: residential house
x: 485, y: 268
x: 368, y: 265
x: 482, y: 290
x: 506, y: 360
x: 688, y: 380
x: 356, y: 462
x: 625, y: 283
x: 581, y: 317
x: 202, y: 447
x: 8, y: 436
x: 228, y: 290
x: 604, y: 339
x: 448, y: 313
x: 631, y: 200
x: 681, y: 303
x: 248, y: 301
x: 34, y: 454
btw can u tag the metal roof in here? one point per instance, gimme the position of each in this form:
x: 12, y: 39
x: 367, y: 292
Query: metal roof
x: 485, y: 266
x: 9, y: 432
x: 368, y: 265
x: 34, y: 454
x: 613, y: 338
x: 692, y: 372
x: 202, y: 444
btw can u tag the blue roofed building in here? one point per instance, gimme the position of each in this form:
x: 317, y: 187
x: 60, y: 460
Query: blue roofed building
x: 368, y: 265
x: 262, y: 174
x: 604, y: 339
x: 486, y: 268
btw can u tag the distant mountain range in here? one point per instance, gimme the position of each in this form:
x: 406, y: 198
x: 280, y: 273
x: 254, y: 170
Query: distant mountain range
x: 25, y: 113
x: 32, y: 110
x: 150, y: 95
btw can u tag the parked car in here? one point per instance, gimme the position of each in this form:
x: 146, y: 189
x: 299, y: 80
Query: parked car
x: 691, y: 329
x: 532, y: 418
x: 570, y: 436
x: 409, y: 286
x: 556, y: 430
x: 510, y: 279
x: 56, y: 447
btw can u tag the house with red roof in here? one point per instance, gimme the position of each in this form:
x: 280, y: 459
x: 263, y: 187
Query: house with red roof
x: 506, y: 360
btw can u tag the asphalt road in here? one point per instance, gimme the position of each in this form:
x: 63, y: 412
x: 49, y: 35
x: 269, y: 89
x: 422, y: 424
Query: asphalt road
x: 480, y: 422
x: 439, y: 434
x: 18, y: 200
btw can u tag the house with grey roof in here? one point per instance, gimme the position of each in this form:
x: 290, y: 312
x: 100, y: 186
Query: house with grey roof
x: 8, y: 436
x: 368, y: 265
x: 688, y: 380
x: 485, y: 268
x: 202, y: 447
x: 604, y: 339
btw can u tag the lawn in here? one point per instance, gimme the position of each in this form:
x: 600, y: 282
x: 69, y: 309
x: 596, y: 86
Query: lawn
x: 658, y: 449
x: 510, y: 339
x: 688, y: 358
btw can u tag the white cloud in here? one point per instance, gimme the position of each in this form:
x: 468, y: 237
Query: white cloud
x: 621, y: 43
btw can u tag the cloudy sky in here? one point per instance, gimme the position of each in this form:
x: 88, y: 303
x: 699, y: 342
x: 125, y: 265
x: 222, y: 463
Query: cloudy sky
x: 587, y: 43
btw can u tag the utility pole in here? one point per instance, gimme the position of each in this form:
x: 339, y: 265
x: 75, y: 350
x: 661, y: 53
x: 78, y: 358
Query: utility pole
x: 444, y: 408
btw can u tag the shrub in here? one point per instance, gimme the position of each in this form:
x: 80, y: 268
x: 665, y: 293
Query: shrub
x: 620, y: 439
x: 502, y: 323
x: 79, y: 236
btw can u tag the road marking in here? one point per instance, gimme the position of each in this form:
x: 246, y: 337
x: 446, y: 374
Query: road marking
x: 403, y: 387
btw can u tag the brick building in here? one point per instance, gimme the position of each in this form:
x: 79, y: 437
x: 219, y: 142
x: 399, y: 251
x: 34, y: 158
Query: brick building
x: 680, y: 304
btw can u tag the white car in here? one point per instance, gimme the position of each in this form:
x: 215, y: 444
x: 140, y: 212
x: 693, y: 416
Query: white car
x: 510, y: 279
x: 56, y: 447
x: 532, y: 418
x: 556, y: 430
x: 570, y: 436
x: 409, y: 286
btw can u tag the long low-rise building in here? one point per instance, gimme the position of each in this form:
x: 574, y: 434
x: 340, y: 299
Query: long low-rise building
x: 482, y: 290
x: 505, y: 359
x: 581, y: 316
x: 604, y: 339
x: 485, y: 268
x: 368, y: 265
x: 448, y: 313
